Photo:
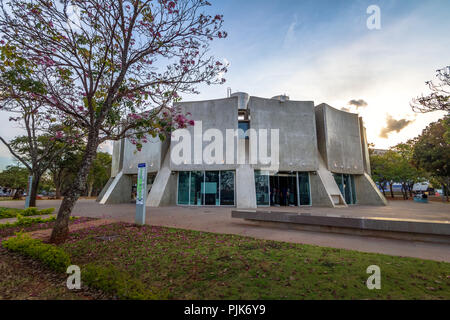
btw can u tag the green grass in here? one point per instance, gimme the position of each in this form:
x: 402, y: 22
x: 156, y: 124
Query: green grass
x: 199, y: 265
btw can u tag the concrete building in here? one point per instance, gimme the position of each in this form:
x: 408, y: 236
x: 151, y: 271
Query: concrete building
x: 321, y: 157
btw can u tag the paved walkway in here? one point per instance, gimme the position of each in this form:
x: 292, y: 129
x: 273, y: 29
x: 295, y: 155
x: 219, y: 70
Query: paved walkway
x: 218, y: 219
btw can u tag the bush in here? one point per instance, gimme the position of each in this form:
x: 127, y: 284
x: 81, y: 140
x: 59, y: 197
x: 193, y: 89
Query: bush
x: 26, y: 222
x: 50, y: 255
x: 9, y: 213
x: 116, y: 282
x: 32, y: 211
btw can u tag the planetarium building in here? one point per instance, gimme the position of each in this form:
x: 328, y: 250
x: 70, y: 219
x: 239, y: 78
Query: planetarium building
x: 250, y: 152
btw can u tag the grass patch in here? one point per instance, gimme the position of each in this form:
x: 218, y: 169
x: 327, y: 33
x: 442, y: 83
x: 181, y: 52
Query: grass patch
x: 13, y: 212
x: 200, y: 265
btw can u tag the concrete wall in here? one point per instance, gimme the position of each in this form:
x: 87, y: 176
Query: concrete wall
x: 297, y: 131
x: 319, y: 195
x: 364, y: 146
x: 119, y: 191
x: 117, y: 158
x: 367, y: 192
x: 150, y: 154
x: 169, y: 197
x: 340, y: 140
x: 221, y: 114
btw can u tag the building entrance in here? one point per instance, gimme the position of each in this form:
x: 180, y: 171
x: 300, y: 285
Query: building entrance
x: 283, y: 190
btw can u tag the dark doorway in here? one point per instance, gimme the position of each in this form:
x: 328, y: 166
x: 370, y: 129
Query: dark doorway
x: 283, y: 190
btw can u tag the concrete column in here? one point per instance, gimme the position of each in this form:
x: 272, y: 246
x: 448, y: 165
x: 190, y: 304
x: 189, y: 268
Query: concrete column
x: 245, y: 187
x: 159, y: 189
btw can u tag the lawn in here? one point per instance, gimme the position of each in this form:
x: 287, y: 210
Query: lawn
x: 199, y: 265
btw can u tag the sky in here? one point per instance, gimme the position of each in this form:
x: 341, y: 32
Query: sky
x: 323, y: 51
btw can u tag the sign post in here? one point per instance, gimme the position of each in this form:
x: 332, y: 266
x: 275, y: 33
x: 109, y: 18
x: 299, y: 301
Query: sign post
x: 141, y: 193
x: 27, y: 199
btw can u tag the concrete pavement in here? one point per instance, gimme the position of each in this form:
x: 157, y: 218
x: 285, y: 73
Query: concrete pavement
x: 218, y: 219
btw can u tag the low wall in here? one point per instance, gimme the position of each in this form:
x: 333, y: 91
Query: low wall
x: 378, y: 227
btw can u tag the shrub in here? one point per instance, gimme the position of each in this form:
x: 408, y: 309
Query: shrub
x: 26, y: 222
x: 8, y: 213
x: 50, y: 255
x: 113, y: 281
x: 32, y: 211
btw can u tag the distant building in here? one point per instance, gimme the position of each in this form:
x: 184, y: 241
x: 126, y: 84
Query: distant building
x: 379, y: 152
x: 323, y: 158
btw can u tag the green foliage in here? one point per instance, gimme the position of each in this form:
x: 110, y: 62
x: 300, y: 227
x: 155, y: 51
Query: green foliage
x: 14, y: 177
x: 50, y: 255
x: 26, y: 222
x: 432, y: 150
x: 9, y: 212
x: 32, y: 211
x: 111, y: 280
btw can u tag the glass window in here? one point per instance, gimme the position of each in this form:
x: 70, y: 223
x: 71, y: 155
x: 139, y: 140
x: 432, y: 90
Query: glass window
x: 262, y: 188
x: 227, y: 188
x: 183, y: 187
x: 197, y: 182
x: 303, y: 185
x: 211, y: 188
x: 291, y: 192
x: 243, y: 125
x: 339, y: 181
x: 352, y: 181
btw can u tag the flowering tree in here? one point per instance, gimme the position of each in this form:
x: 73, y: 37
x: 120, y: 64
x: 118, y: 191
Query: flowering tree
x: 115, y: 68
x: 439, y: 98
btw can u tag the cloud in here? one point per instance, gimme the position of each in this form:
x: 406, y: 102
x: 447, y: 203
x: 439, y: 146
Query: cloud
x: 358, y: 103
x: 394, y: 125
x: 345, y: 109
x: 289, y: 38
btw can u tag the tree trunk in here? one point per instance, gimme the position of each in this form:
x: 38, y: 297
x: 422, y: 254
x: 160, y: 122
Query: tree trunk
x: 34, y: 189
x: 61, y: 228
x: 91, y: 186
x: 392, y: 192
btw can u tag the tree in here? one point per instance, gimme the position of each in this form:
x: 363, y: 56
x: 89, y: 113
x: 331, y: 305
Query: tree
x: 116, y: 72
x: 439, y: 98
x: 20, y: 81
x: 432, y: 152
x: 378, y: 165
x: 100, y: 172
x: 14, y: 177
x: 407, y: 174
x: 36, y: 153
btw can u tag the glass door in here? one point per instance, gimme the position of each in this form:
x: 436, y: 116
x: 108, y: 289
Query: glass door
x: 262, y: 188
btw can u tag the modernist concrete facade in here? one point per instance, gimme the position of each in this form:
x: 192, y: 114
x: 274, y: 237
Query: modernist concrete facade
x: 322, y: 158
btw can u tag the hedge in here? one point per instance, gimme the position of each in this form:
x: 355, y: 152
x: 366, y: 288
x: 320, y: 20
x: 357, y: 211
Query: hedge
x: 50, y: 255
x: 32, y: 211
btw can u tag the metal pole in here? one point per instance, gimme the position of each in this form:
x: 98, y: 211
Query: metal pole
x: 27, y: 199
x: 141, y: 194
